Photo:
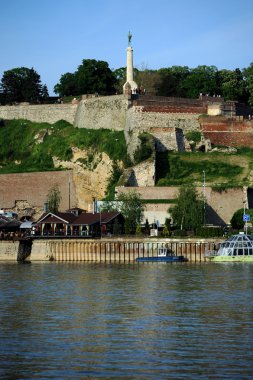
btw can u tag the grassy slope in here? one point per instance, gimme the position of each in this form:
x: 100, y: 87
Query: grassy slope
x: 19, y: 151
x: 221, y: 169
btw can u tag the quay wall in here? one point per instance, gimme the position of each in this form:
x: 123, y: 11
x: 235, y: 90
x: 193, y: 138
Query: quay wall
x: 9, y: 250
x: 118, y: 250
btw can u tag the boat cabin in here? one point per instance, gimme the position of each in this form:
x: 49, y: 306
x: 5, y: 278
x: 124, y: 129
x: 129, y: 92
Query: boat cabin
x: 237, y: 245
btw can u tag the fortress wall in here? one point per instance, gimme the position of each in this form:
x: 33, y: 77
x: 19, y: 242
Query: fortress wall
x: 228, y: 132
x: 108, y: 112
x: 41, y: 113
x: 34, y: 187
x: 163, y: 126
x: 175, y: 109
x: 222, y: 205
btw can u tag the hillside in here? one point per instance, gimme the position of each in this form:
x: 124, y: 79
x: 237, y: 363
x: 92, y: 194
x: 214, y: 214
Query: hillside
x: 29, y: 147
x: 221, y: 170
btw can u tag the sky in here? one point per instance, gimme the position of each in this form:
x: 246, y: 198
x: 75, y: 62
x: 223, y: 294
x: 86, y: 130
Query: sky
x: 54, y: 36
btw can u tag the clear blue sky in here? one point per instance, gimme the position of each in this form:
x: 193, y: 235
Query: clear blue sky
x: 54, y: 36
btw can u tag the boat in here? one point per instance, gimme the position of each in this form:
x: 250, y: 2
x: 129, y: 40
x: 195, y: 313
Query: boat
x: 238, y: 247
x: 164, y: 255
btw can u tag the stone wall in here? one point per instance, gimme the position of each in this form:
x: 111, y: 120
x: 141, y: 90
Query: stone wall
x: 167, y: 128
x: 227, y: 131
x: 221, y: 206
x: 47, y: 113
x: 108, y: 112
x: 9, y: 250
x: 31, y: 189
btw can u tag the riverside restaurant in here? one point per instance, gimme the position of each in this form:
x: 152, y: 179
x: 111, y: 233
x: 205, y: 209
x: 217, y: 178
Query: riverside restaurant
x: 78, y: 224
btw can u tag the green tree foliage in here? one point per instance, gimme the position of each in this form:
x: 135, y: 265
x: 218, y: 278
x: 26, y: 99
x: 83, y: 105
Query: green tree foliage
x: 22, y: 85
x: 188, y: 213
x: 165, y: 231
x: 54, y: 198
x: 248, y: 76
x: 138, y: 231
x: 231, y: 85
x: 201, y: 79
x: 91, y: 77
x: 132, y: 209
x: 172, y: 80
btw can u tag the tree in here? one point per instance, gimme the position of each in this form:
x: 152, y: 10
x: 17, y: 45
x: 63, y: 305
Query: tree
x: 237, y: 219
x: 172, y: 81
x: 201, y: 79
x: 54, y: 198
x: 188, y: 213
x: 248, y: 75
x: 22, y: 85
x: 132, y: 209
x: 231, y: 85
x: 90, y: 77
x: 67, y: 85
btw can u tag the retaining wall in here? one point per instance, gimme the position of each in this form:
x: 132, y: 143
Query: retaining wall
x: 34, y: 187
x: 9, y: 250
x: 41, y: 113
x: 120, y: 250
x: 221, y: 205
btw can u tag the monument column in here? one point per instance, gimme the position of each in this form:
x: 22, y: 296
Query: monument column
x: 130, y: 86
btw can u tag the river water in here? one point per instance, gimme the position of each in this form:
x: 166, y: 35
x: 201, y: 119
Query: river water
x: 130, y: 321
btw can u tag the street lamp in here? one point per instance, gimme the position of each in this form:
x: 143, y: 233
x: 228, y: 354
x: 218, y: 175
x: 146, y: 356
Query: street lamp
x: 204, y: 197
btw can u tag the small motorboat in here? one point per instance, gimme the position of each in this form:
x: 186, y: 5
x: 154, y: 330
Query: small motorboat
x: 164, y: 255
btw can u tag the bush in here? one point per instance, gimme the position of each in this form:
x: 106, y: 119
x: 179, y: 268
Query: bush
x: 208, y: 232
x: 193, y: 136
x: 145, y: 149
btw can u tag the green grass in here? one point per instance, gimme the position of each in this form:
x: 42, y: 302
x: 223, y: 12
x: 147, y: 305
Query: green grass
x: 175, y: 169
x: 19, y: 151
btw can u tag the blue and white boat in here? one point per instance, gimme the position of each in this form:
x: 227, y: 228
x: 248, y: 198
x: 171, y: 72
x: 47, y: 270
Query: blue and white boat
x: 164, y: 255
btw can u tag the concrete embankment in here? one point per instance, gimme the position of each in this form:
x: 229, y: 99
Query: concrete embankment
x: 118, y: 250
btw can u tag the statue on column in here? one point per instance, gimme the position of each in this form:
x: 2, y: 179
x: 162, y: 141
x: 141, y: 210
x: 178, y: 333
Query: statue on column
x: 129, y: 38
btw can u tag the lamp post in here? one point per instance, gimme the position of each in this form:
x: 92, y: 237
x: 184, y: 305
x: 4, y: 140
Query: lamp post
x: 204, y: 197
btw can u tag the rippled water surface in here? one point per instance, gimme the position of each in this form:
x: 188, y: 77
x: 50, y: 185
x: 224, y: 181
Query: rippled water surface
x: 147, y: 321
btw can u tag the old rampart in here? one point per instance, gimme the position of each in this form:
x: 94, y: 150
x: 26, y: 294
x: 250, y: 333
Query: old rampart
x: 228, y: 131
x: 41, y: 113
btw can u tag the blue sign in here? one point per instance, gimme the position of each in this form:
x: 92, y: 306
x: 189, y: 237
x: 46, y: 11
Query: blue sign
x: 246, y: 217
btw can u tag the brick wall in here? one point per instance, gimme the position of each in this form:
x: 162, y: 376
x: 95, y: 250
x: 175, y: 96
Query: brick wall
x: 229, y: 132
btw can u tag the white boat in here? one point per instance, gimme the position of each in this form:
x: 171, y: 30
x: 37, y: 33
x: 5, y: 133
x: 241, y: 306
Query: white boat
x: 237, y: 248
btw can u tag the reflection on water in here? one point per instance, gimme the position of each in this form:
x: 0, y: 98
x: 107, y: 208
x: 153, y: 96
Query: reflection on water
x: 147, y: 321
